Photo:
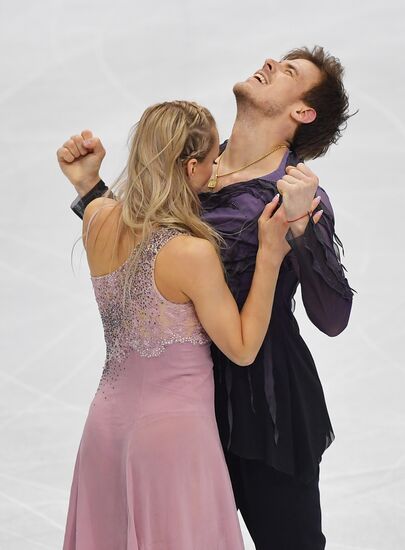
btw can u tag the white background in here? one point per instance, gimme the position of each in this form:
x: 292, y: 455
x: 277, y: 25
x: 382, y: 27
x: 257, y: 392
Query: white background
x: 65, y: 66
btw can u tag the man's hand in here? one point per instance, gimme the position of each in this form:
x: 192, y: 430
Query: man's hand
x: 80, y: 159
x: 298, y: 188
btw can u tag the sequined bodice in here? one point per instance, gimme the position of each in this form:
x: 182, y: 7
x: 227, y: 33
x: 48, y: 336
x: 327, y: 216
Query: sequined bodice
x: 142, y: 320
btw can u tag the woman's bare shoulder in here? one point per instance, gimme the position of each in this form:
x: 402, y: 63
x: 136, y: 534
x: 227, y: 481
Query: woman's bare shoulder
x: 99, y: 208
x: 181, y: 263
x: 102, y: 224
x: 189, y: 249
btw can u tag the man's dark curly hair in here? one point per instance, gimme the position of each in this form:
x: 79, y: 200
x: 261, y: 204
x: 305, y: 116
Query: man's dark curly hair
x: 330, y: 101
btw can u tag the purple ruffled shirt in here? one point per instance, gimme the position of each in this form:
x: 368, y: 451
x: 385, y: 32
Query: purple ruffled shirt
x: 274, y: 410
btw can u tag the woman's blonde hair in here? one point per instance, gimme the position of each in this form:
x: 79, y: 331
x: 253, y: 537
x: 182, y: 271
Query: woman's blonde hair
x: 153, y: 190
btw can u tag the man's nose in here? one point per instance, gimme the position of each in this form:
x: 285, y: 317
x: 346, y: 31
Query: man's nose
x: 271, y: 64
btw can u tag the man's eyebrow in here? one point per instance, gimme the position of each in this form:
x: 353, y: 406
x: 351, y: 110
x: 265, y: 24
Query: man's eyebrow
x: 293, y: 68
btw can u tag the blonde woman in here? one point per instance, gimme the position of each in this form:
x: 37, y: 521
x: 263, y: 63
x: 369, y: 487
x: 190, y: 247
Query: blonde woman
x: 150, y: 472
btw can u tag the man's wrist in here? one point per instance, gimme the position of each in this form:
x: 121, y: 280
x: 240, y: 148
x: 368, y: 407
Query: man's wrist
x: 79, y: 204
x: 86, y: 186
x: 298, y: 239
x: 298, y: 227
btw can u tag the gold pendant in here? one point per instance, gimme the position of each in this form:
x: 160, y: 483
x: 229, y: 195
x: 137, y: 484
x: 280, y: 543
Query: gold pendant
x: 212, y: 183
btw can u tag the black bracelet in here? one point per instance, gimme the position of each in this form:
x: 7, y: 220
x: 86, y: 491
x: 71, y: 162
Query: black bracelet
x: 79, y: 204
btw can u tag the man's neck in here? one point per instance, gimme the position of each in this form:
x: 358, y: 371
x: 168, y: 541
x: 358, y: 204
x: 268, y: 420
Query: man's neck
x: 252, y: 137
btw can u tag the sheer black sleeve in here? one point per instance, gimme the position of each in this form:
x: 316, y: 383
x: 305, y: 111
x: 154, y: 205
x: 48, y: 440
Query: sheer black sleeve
x: 326, y: 293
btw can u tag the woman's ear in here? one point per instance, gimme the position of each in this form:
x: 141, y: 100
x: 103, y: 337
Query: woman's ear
x: 190, y: 167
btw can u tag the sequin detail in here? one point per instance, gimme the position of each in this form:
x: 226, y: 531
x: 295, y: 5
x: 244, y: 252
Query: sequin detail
x: 148, y: 322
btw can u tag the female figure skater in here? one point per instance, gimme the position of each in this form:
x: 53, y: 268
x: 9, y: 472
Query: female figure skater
x: 150, y: 472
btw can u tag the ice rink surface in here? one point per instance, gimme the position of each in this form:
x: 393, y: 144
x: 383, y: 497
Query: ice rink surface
x: 66, y: 66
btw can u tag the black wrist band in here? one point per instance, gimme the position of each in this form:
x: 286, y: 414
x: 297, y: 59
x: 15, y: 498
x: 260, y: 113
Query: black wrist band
x: 79, y: 204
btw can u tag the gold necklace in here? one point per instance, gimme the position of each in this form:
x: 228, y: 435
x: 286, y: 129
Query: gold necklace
x: 214, y: 180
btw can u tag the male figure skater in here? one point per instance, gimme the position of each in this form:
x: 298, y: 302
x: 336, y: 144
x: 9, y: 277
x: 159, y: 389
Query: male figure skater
x: 272, y: 416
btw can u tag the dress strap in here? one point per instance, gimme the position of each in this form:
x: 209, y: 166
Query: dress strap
x: 162, y: 236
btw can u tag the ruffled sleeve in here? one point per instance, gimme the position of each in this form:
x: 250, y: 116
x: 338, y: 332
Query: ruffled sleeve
x: 326, y: 293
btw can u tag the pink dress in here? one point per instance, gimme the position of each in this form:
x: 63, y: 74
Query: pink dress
x: 150, y: 472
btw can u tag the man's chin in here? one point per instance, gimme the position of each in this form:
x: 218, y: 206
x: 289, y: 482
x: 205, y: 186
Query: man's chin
x: 242, y: 89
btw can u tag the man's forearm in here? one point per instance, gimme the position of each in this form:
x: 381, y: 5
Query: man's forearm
x: 326, y: 293
x: 79, y: 204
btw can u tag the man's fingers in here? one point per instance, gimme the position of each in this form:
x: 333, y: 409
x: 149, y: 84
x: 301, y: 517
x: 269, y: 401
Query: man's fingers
x: 87, y: 134
x: 74, y: 148
x: 91, y: 143
x: 305, y: 170
x: 94, y: 144
x: 292, y: 180
x: 300, y: 175
x: 301, y: 171
x: 296, y: 173
x: 282, y: 186
x: 64, y: 155
x: 71, y: 146
x: 79, y: 147
x: 79, y: 142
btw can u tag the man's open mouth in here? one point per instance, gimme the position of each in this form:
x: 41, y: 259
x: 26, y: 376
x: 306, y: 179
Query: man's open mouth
x: 260, y: 77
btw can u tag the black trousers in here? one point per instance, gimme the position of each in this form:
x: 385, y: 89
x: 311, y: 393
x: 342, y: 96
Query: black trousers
x: 280, y: 512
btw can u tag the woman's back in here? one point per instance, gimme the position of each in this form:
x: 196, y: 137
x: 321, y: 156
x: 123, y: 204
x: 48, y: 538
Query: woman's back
x: 150, y: 469
x: 137, y: 318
